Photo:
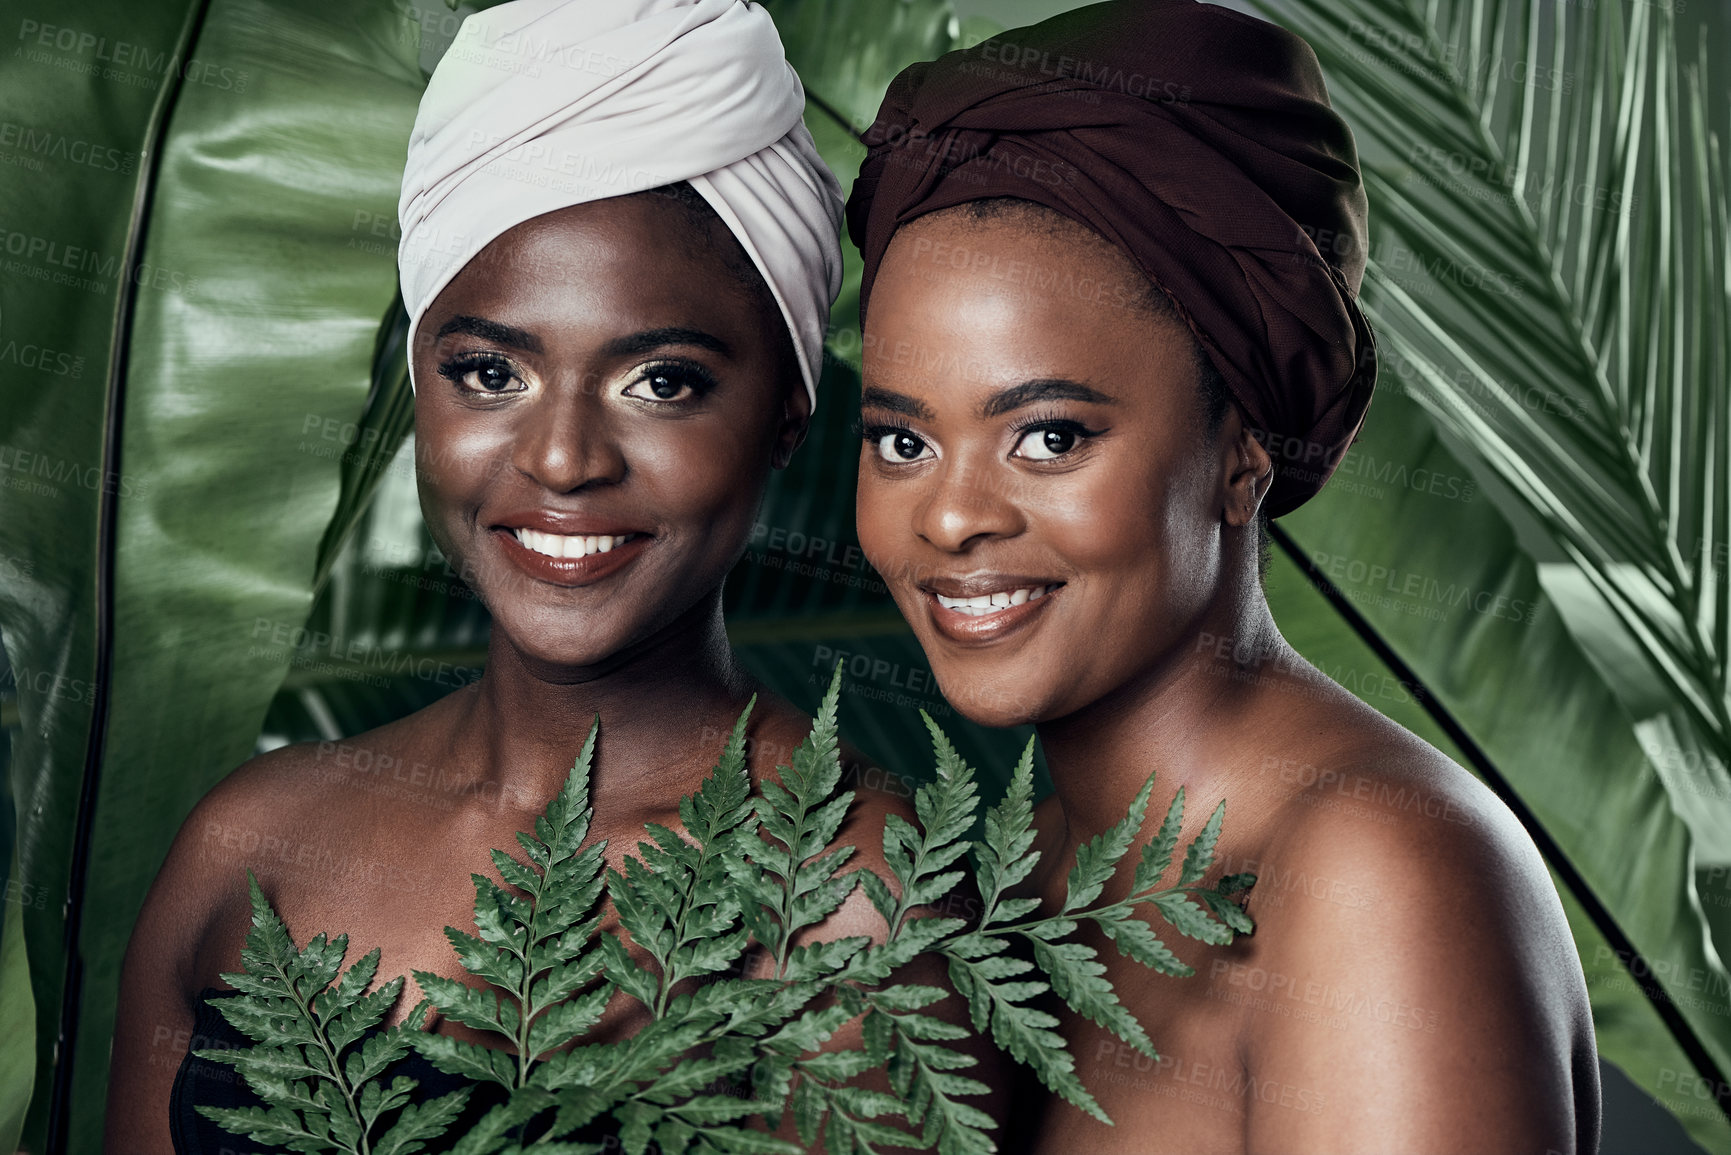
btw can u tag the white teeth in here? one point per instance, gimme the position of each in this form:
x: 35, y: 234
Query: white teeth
x: 558, y: 545
x: 984, y: 604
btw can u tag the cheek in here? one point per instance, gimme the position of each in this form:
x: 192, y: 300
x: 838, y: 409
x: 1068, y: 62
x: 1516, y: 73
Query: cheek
x: 1145, y: 536
x: 1118, y: 522
x: 453, y: 460
x: 713, y: 473
x: 1102, y: 513
x: 882, y: 519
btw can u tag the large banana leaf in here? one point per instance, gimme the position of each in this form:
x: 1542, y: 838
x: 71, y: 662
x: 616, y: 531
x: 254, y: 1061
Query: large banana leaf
x: 1550, y: 273
x: 57, y: 358
x: 259, y: 141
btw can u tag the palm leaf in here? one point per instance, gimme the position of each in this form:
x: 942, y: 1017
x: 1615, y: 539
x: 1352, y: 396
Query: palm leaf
x: 1547, y: 277
x: 1494, y: 286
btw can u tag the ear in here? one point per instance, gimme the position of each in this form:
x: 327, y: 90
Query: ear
x: 795, y: 420
x: 1248, y: 472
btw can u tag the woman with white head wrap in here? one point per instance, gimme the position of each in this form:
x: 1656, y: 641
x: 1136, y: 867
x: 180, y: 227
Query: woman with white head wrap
x: 619, y: 251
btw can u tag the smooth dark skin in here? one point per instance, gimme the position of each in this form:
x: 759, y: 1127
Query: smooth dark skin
x: 575, y: 427
x: 1411, y: 985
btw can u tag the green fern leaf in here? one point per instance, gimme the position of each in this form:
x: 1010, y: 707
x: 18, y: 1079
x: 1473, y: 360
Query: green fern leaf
x: 821, y: 959
x: 1078, y: 977
x: 275, y: 1126
x: 1227, y: 911
x: 1005, y: 857
x: 482, y: 1010
x: 1191, y: 920
x: 1026, y: 1033
x: 747, y: 868
x: 565, y: 1021
x: 1098, y: 857
x: 457, y: 1057
x: 1200, y: 856
x: 351, y: 1013
x: 1135, y: 939
x: 418, y: 1124
x: 946, y: 808
x: 1156, y: 857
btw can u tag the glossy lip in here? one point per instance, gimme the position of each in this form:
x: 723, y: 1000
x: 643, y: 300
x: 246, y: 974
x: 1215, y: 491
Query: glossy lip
x: 569, y: 571
x: 984, y: 629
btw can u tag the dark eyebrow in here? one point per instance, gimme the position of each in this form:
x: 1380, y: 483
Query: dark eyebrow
x: 1043, y: 389
x: 652, y: 339
x: 491, y: 331
x: 874, y: 398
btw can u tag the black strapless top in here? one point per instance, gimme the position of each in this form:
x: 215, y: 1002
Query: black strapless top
x: 203, y: 1083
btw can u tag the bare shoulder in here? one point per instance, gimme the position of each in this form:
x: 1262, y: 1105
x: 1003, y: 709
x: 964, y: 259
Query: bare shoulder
x: 1383, y: 808
x: 279, y: 815
x: 262, y: 794
x: 1363, y: 796
x: 271, y: 797
x: 197, y: 901
x: 1404, y: 909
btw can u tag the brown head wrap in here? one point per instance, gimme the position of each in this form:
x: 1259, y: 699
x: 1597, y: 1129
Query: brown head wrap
x: 1198, y: 140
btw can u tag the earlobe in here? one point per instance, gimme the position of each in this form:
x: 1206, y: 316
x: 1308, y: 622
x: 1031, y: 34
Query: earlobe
x: 1249, y: 471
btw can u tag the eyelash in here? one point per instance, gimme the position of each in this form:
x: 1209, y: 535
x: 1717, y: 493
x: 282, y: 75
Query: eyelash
x: 688, y: 373
x: 873, y: 433
x: 1053, y: 422
x: 463, y: 364
x: 697, y: 378
x: 876, y: 432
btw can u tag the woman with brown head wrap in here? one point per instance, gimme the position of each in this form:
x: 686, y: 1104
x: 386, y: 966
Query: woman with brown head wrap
x: 1110, y: 315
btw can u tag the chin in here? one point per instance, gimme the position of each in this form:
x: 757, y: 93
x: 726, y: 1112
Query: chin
x: 998, y: 700
x: 550, y: 642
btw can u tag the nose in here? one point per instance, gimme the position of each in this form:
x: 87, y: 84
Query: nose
x: 967, y: 504
x: 568, y: 441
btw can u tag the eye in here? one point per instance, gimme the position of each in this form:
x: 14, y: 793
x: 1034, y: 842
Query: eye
x: 670, y: 383
x: 1048, y: 440
x: 482, y: 373
x: 898, y: 446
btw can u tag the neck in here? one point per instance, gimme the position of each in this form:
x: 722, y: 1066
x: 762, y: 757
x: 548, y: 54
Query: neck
x: 1181, y: 719
x: 527, y: 719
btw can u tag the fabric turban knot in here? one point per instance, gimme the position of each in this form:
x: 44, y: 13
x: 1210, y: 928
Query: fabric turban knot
x: 1201, y: 143
x: 543, y: 104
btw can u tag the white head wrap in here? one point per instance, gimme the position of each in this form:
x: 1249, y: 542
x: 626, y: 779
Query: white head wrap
x: 542, y: 104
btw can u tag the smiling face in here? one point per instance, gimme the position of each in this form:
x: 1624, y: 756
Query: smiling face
x: 600, y: 396
x: 1041, y: 486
